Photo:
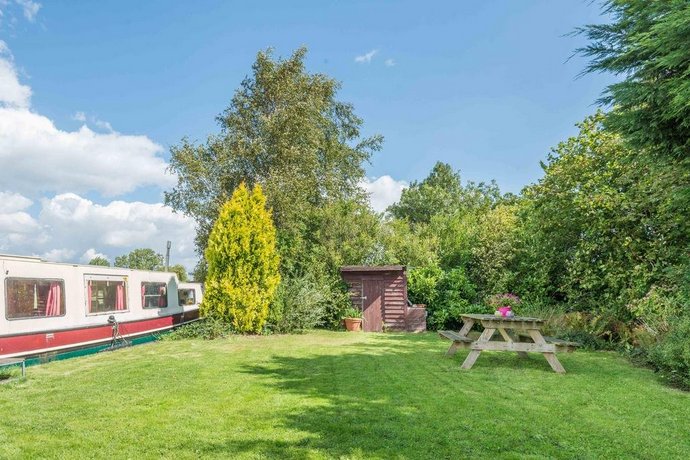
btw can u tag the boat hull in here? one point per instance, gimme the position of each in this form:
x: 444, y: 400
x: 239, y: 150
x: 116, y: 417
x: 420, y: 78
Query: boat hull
x: 45, y: 345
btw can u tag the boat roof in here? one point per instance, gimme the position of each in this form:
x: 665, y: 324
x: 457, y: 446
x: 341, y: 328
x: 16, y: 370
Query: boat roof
x: 37, y: 259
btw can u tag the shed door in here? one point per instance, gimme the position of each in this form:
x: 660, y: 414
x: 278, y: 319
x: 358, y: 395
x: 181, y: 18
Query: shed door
x: 373, y: 301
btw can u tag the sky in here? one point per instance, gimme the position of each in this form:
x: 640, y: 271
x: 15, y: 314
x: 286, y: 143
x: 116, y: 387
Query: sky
x: 93, y: 94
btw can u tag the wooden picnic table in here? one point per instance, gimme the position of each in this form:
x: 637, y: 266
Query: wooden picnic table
x: 512, y: 330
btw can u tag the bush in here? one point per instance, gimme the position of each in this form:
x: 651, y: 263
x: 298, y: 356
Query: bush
x: 456, y: 295
x: 205, y: 328
x: 300, y: 304
x: 422, y: 283
x: 448, y: 316
x: 242, y: 262
x: 337, y: 303
x: 670, y: 356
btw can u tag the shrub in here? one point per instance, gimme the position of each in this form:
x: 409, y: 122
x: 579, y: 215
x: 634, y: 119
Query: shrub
x: 242, y: 262
x: 205, y: 328
x: 422, y: 284
x: 670, y: 356
x: 497, y: 301
x: 456, y: 295
x: 299, y: 304
x: 337, y: 303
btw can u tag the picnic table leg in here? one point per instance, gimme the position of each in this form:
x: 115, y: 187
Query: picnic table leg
x: 453, y: 349
x: 474, y: 354
x: 508, y: 338
x: 466, y: 327
x: 550, y: 357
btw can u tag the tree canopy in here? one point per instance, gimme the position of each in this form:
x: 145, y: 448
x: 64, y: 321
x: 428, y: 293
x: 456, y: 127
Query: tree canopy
x: 141, y: 259
x: 647, y: 43
x: 98, y: 260
x: 285, y: 130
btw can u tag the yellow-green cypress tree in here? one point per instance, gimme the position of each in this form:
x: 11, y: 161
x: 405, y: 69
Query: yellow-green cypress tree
x: 242, y: 262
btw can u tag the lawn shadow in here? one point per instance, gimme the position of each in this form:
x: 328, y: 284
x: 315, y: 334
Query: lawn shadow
x: 395, y: 396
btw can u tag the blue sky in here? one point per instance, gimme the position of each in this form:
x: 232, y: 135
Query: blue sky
x: 485, y: 86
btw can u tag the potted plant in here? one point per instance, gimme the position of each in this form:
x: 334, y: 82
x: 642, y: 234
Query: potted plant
x: 353, y: 319
x: 504, y: 304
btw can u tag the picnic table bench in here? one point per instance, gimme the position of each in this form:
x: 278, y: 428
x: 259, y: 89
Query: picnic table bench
x: 513, y: 330
x: 4, y: 362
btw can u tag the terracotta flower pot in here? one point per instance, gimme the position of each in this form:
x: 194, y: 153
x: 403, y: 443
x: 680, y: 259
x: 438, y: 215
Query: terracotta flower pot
x: 353, y: 324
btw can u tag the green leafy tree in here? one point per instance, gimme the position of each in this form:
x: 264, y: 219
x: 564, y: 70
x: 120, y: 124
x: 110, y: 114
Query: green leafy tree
x: 647, y: 43
x: 180, y: 271
x: 242, y: 262
x: 98, y: 260
x: 438, y: 193
x: 441, y: 193
x: 600, y: 230
x: 284, y: 129
x: 141, y: 259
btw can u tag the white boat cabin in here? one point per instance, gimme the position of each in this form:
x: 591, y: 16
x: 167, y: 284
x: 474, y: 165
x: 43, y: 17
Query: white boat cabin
x: 36, y: 295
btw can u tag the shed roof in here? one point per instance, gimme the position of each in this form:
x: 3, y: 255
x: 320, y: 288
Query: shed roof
x: 372, y: 268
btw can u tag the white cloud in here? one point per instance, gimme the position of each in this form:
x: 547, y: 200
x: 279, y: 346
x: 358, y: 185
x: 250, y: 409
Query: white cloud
x: 30, y: 9
x: 90, y: 254
x: 389, y: 62
x: 12, y: 93
x: 69, y: 228
x: 367, y: 57
x: 16, y: 225
x: 58, y: 255
x: 383, y: 191
x: 81, y: 116
x: 36, y: 156
x: 13, y: 202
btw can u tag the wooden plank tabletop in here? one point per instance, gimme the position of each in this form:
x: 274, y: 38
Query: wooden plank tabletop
x: 479, y: 317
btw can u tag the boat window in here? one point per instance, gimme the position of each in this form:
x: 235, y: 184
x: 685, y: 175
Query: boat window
x: 34, y: 298
x: 105, y: 296
x: 154, y: 295
x: 186, y: 296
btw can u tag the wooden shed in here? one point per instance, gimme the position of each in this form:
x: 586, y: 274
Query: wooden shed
x: 380, y: 292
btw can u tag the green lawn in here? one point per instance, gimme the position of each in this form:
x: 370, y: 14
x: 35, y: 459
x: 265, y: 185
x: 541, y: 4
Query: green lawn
x: 338, y: 395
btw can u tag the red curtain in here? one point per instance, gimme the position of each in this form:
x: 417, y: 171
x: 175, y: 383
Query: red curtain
x: 54, y: 299
x: 120, y: 297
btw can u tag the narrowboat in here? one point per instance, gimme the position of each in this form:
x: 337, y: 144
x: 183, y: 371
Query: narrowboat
x: 48, y: 309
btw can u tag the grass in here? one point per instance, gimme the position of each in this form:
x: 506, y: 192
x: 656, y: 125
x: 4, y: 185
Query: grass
x: 338, y: 395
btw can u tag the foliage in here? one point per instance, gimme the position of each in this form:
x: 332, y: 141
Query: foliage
x: 401, y: 244
x: 352, y: 313
x: 242, y: 262
x: 442, y: 193
x: 492, y: 255
x: 503, y: 300
x: 180, y: 271
x: 670, y: 356
x: 204, y: 328
x: 600, y: 231
x: 446, y: 294
x: 438, y: 193
x: 284, y: 129
x: 299, y: 305
x: 141, y: 259
x: 647, y: 43
x: 422, y: 284
x: 98, y: 260
x: 338, y: 302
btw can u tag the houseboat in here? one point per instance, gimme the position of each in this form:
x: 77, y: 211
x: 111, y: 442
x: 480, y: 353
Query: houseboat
x: 47, y: 309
